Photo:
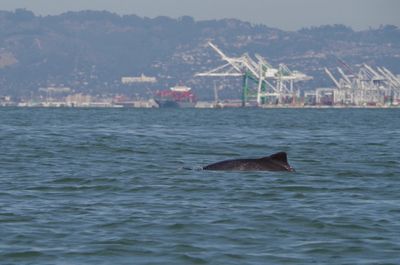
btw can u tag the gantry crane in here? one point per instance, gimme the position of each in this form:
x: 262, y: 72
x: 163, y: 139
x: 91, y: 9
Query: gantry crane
x: 271, y: 82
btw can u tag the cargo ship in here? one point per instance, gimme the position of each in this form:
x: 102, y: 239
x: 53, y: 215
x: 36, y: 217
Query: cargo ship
x: 176, y: 97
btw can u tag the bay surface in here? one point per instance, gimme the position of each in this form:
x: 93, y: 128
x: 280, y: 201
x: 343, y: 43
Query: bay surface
x: 108, y: 186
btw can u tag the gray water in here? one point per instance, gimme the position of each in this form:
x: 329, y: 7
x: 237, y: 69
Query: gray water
x: 108, y: 186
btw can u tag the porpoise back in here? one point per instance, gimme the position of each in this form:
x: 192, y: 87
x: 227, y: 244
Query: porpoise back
x: 275, y: 162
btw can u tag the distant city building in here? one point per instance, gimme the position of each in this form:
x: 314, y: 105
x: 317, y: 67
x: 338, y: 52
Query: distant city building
x: 78, y: 100
x: 5, y: 98
x: 55, y: 89
x: 138, y: 79
x: 6, y: 101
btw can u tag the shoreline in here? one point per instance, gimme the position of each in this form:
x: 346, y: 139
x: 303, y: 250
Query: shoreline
x: 202, y: 107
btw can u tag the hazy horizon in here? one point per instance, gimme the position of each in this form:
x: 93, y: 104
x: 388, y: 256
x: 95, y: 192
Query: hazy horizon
x: 284, y: 14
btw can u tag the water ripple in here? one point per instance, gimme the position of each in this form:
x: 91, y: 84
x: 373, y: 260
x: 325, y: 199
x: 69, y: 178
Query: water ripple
x: 108, y: 187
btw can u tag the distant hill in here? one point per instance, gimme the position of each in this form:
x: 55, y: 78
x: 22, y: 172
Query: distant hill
x: 90, y: 51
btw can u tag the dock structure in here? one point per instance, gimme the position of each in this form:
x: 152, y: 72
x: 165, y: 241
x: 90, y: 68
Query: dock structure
x: 262, y: 83
x: 368, y: 86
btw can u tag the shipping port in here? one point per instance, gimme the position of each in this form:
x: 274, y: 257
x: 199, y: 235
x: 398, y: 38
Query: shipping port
x: 264, y: 85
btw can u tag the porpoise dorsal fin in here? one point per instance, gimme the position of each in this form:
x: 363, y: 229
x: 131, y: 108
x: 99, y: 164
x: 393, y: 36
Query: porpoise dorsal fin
x: 281, y: 156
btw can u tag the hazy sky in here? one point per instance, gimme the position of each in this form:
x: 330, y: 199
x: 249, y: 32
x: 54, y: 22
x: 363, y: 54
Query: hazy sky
x: 284, y: 14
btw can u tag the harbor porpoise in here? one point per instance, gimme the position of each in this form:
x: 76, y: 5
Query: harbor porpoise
x: 275, y: 162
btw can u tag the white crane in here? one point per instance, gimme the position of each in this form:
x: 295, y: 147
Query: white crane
x: 271, y: 82
x: 332, y: 78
